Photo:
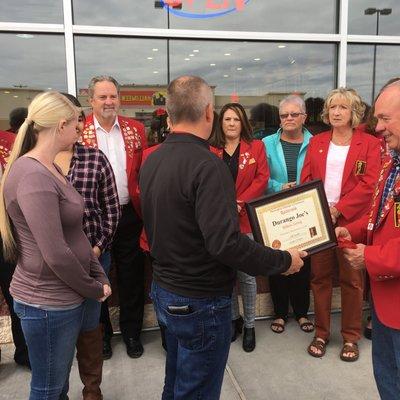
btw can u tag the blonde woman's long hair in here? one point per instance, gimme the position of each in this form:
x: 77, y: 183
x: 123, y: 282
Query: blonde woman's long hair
x: 45, y: 111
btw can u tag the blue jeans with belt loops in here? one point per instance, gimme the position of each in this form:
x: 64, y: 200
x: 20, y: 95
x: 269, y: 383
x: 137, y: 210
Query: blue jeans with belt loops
x: 197, y: 344
x: 51, y: 338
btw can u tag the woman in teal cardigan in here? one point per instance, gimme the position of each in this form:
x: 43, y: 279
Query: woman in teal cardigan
x: 286, y: 150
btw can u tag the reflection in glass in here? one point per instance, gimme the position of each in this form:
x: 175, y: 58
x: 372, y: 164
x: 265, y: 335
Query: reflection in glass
x: 26, y: 69
x: 360, y: 66
x: 131, y: 13
x: 362, y: 24
x: 254, y: 15
x: 258, y: 75
x: 261, y: 15
x: 43, y: 11
x: 252, y: 73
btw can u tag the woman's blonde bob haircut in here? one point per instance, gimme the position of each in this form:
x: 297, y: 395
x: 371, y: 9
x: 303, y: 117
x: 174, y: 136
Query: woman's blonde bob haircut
x: 351, y: 97
x: 45, y: 112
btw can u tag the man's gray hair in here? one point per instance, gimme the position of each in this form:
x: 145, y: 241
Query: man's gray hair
x: 293, y: 99
x: 101, y: 78
x: 187, y: 99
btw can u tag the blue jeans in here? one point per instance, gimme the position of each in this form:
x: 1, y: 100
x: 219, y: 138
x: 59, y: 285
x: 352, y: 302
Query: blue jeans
x: 50, y: 337
x: 386, y: 359
x: 91, y: 315
x: 198, y: 344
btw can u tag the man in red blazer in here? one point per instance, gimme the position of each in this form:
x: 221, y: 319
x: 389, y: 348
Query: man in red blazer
x: 380, y: 230
x: 122, y: 140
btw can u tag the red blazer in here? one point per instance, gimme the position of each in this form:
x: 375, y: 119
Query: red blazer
x: 252, y: 177
x: 359, y: 175
x: 382, y: 254
x: 144, y: 244
x: 135, y: 141
x: 6, y: 142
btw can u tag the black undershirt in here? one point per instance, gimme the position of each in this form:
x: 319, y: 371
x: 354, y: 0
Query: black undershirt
x: 232, y: 162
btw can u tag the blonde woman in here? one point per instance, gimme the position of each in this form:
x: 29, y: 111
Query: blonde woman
x: 41, y: 227
x: 348, y: 162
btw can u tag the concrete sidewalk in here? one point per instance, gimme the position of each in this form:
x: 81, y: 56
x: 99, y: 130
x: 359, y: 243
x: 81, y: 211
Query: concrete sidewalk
x: 278, y: 369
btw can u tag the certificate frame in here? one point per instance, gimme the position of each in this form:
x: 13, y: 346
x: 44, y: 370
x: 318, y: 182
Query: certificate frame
x: 298, y: 217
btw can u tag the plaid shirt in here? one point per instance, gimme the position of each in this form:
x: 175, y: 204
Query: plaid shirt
x: 92, y: 176
x: 391, y: 179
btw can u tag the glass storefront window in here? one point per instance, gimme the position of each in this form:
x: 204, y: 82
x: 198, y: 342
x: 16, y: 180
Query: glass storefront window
x: 26, y: 69
x: 255, y: 74
x: 259, y: 75
x: 362, y: 24
x: 360, y: 67
x: 142, y: 14
x: 257, y: 15
x: 34, y: 11
x: 242, y: 15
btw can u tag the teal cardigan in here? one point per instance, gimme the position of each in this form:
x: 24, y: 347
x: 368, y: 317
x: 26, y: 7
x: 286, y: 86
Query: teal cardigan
x: 276, y: 160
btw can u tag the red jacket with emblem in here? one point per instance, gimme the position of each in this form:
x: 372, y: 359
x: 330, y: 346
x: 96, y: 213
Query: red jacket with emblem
x: 133, y: 133
x: 382, y: 254
x: 252, y: 177
x: 360, y: 172
x: 6, y: 142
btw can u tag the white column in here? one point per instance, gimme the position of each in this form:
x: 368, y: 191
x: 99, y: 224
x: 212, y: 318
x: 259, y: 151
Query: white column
x: 343, y: 27
x: 69, y: 47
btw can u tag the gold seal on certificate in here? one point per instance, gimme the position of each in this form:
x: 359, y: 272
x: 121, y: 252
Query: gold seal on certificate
x: 298, y: 217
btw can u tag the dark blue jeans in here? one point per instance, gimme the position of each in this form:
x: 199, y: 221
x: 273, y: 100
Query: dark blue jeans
x: 51, y: 338
x: 386, y: 359
x: 198, y: 344
x: 91, y: 315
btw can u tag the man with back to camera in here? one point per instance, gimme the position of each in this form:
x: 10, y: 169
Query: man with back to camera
x: 122, y: 140
x: 191, y: 221
x: 380, y: 230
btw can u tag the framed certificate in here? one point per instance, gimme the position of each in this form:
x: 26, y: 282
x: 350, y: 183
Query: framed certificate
x: 298, y: 217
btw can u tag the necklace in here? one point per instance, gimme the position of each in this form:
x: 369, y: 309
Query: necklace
x: 342, y: 142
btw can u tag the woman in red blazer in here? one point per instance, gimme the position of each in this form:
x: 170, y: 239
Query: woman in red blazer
x: 348, y: 162
x: 233, y: 143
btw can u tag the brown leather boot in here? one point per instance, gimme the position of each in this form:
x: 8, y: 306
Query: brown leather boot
x: 90, y: 362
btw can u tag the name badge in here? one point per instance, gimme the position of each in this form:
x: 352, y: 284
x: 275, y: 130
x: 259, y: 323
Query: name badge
x: 361, y: 166
x: 397, y: 215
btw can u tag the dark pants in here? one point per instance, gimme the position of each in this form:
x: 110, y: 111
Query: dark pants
x: 129, y: 261
x: 294, y: 288
x: 6, y: 273
x: 386, y: 359
x: 198, y: 344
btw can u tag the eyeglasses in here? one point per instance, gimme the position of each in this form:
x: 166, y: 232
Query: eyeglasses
x: 293, y: 115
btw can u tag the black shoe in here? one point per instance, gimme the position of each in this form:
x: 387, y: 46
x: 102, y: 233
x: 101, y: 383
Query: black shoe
x: 237, y: 327
x: 134, y: 348
x: 249, y: 339
x: 107, y: 349
x: 22, y: 359
x: 368, y: 331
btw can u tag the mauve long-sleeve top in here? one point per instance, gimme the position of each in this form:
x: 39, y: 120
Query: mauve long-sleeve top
x: 56, y: 266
